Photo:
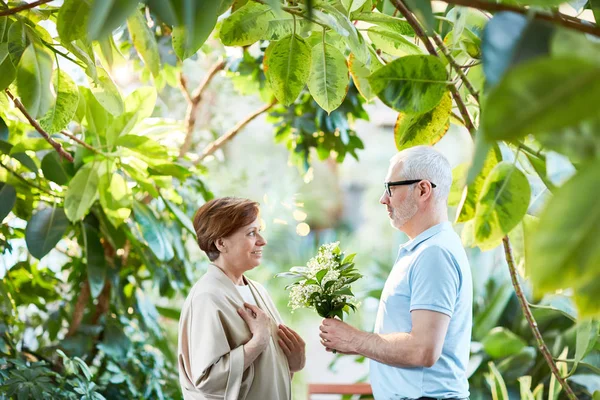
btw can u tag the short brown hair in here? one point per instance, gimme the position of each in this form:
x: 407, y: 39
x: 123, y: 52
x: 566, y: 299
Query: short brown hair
x: 220, y: 218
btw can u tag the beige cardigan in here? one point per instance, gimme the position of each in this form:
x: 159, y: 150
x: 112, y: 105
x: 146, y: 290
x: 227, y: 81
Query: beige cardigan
x: 211, y: 339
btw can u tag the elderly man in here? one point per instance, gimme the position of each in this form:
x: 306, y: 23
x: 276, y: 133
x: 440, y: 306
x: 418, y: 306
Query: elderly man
x: 420, y: 345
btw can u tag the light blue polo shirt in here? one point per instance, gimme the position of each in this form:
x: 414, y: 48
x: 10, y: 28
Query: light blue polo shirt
x: 431, y: 273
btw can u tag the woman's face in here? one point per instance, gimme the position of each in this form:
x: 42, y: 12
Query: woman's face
x: 244, y: 247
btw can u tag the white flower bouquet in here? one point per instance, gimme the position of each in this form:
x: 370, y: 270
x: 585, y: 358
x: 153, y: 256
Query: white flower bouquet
x: 324, y: 283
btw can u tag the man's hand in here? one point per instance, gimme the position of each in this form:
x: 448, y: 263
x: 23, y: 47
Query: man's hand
x: 293, y: 346
x: 341, y: 337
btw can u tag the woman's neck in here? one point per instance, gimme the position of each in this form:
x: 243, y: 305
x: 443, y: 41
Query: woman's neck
x: 237, y: 277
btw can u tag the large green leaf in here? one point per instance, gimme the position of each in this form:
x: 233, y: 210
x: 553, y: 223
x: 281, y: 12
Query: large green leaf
x: 413, y: 84
x: 95, y: 259
x: 44, y: 230
x: 587, y: 335
x: 287, y: 67
x: 8, y: 72
x: 82, y: 192
x: 142, y: 145
x: 496, y: 383
x: 353, y: 5
x: 8, y: 196
x: 564, y: 250
x: 138, y: 106
x: 144, y: 42
x: 392, y: 42
x: 502, y: 203
x: 33, y: 79
x: 17, y: 41
x: 424, y: 13
x: 328, y: 80
x: 4, y: 132
x: 568, y: 43
x: 183, y: 219
x: 247, y: 25
x: 200, y: 19
x: 336, y: 20
x: 54, y: 169
x: 360, y: 75
x: 542, y: 96
x: 72, y: 20
x: 501, y: 342
x: 65, y: 105
x: 390, y: 23
x: 109, y: 15
x: 469, y: 204
x: 282, y: 24
x: 417, y: 129
x: 115, y: 197
x: 490, y: 316
x: 106, y: 92
x: 153, y: 232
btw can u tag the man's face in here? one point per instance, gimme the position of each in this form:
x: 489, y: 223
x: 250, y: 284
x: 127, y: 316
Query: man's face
x: 401, y: 205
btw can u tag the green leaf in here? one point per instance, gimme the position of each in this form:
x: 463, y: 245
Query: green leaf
x: 489, y: 318
x: 247, y: 25
x: 459, y: 181
x: 152, y: 232
x: 564, y: 249
x: 170, y: 169
x: 115, y: 343
x: 139, y: 105
x: 54, y: 169
x: 8, y: 73
x: 388, y: 22
x: 3, y: 130
x: 8, y: 197
x: 360, y: 75
x: 45, y: 229
x: 567, y: 43
x: 106, y: 92
x: 392, y: 42
x: 72, y: 20
x: 17, y: 41
x: 423, y: 129
x: 109, y: 15
x: 287, y: 67
x: 502, y: 203
x: 200, y: 19
x: 115, y: 197
x: 501, y: 342
x: 542, y: 96
x: 82, y: 192
x: 423, y: 12
x: 413, y: 84
x: 555, y: 387
x: 33, y: 79
x: 469, y: 204
x: 65, y: 106
x: 144, y: 42
x: 496, y: 382
x: 182, y: 218
x: 320, y: 275
x: 353, y: 5
x: 142, y: 145
x: 328, y: 79
x: 587, y: 335
x: 171, y: 313
x: 595, y: 5
x: 340, y: 23
x: 95, y: 259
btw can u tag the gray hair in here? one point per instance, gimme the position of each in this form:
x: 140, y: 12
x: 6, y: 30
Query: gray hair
x: 424, y: 162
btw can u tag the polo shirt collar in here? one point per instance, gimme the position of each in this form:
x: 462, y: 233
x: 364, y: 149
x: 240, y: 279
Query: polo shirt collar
x: 423, y: 236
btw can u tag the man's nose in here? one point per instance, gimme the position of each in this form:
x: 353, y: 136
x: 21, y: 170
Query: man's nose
x: 384, y: 199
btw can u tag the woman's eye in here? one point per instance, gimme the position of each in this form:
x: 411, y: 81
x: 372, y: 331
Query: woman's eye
x: 252, y: 233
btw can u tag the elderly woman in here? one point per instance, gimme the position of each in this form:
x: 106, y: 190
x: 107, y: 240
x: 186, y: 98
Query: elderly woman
x: 232, y: 343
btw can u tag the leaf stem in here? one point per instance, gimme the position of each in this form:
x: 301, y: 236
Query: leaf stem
x: 456, y: 67
x: 38, y: 128
x: 23, y: 7
x: 25, y: 181
x: 531, y: 320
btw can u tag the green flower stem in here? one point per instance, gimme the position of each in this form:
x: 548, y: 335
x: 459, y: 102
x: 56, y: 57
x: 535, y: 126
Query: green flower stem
x: 531, y: 320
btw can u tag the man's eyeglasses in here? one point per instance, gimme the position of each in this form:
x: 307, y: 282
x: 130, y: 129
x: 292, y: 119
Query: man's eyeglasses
x: 401, y: 183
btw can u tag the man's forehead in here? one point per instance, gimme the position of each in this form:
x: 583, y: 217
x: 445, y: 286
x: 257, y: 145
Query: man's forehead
x: 394, y: 169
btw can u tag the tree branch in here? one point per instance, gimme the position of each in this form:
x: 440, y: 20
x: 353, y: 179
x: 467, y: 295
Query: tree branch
x: 217, y: 144
x: 559, y: 18
x: 531, y: 320
x: 456, y: 67
x: 81, y: 142
x: 23, y: 7
x: 193, y: 103
x: 38, y: 128
x: 82, y: 300
x: 399, y: 4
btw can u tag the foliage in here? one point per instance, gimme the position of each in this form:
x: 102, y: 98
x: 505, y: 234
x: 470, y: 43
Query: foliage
x: 114, y: 202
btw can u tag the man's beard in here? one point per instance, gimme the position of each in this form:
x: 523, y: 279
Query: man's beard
x: 404, y: 213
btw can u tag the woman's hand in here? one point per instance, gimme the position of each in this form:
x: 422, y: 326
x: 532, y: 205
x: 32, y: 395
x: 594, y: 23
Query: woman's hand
x: 293, y: 346
x: 259, y: 324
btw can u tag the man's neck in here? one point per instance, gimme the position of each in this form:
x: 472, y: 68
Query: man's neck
x: 423, y: 221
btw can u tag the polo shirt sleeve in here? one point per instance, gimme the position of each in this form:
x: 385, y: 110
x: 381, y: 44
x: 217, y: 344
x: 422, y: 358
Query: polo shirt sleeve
x: 435, y: 281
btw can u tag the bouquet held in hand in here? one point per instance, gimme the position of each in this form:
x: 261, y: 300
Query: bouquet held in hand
x: 324, y: 283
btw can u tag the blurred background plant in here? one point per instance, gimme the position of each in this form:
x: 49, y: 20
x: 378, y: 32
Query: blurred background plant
x: 119, y: 119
